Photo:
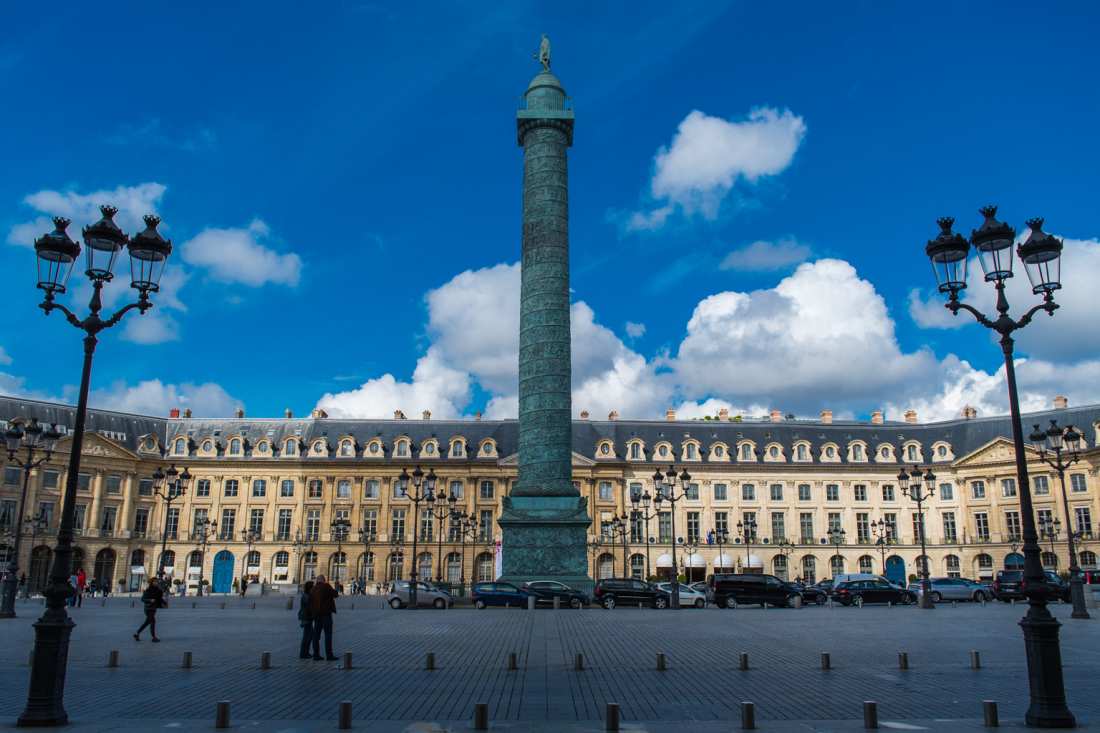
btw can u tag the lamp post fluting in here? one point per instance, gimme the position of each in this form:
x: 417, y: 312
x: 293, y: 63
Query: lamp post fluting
x: 203, y: 533
x: 31, y: 439
x: 641, y: 504
x: 169, y: 486
x: 883, y: 537
x: 423, y: 490
x: 666, y: 490
x: 1060, y: 448
x: 746, y: 530
x: 1040, y: 254
x: 912, y: 486
x: 56, y: 253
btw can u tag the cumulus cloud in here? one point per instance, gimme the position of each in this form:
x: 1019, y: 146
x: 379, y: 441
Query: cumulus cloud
x: 761, y: 256
x: 154, y: 327
x: 435, y: 386
x: 635, y: 330
x: 132, y: 202
x: 241, y: 256
x: 709, y: 155
x: 4, y: 358
x: 153, y: 397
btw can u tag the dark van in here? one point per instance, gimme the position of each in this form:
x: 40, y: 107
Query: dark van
x: 729, y: 589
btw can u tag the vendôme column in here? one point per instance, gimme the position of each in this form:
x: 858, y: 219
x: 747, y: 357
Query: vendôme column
x: 545, y: 520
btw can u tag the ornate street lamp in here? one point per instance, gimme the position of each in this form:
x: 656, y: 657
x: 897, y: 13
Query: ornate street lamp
x: 1049, y: 529
x: 1060, y: 449
x: 169, y: 485
x: 786, y: 549
x: 619, y: 527
x: 31, y: 439
x: 884, y: 535
x: 920, y: 493
x: 56, y: 253
x: 1041, y: 255
x: 367, y: 536
x: 423, y: 490
x: 397, y: 556
x: 595, y: 544
x: 440, y: 510
x: 206, y: 529
x: 250, y: 537
x: 691, y: 549
x: 300, y: 544
x: 339, y: 530
x: 747, y: 533
x: 665, y: 489
x: 836, y: 539
x: 467, y: 530
x: 640, y: 504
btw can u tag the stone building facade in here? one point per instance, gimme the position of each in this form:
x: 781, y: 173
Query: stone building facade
x: 292, y: 481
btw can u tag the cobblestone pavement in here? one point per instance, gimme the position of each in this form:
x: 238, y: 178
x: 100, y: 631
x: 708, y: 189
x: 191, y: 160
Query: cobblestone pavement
x: 703, y: 682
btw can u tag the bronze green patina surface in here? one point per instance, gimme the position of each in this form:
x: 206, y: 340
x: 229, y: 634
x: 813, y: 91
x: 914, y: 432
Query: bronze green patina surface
x: 545, y: 521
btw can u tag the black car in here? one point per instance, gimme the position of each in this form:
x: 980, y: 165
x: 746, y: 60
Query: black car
x: 545, y: 591
x: 858, y: 592
x: 611, y: 592
x: 1008, y: 585
x: 729, y: 589
x: 812, y: 593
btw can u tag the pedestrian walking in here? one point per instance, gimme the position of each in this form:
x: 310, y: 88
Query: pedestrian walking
x: 322, y: 606
x: 305, y: 620
x: 152, y: 599
x: 81, y: 586
x: 71, y: 601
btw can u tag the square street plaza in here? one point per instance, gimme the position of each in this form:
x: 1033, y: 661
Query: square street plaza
x: 390, y: 689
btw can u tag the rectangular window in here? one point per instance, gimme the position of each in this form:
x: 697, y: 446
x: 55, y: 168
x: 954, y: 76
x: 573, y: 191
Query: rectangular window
x: 891, y: 520
x: 343, y: 489
x: 918, y: 527
x: 950, y: 532
x: 84, y: 482
x: 1084, y: 520
x: 947, y: 492
x: 806, y: 528
x: 664, y: 527
x: 1012, y: 525
x: 372, y: 489
x: 231, y: 487
x: 722, y: 522
x: 316, y: 488
x: 981, y: 526
x: 637, y: 529
x: 229, y: 524
x: 859, y: 492
x: 485, y: 524
x: 804, y: 492
x: 605, y: 491
x: 286, y: 488
x: 779, y: 526
x: 458, y: 489
x: 202, y: 488
x: 1008, y: 487
x: 145, y: 487
x: 259, y: 488
x: 313, y: 524
x: 49, y: 479
x: 748, y: 492
x: 397, y: 493
x: 888, y: 492
x: 692, y: 492
x: 397, y: 523
x: 198, y: 519
x: 107, y: 520
x: 776, y: 491
x: 370, y: 523
x: 693, y: 526
x: 282, y: 529
x: 114, y: 484
x: 635, y: 492
x: 1077, y: 483
x: 1044, y: 517
x: 721, y: 492
x: 256, y: 522
x: 141, y: 521
x: 1042, y: 486
x: 832, y: 492
x: 977, y: 489
x: 749, y: 520
x: 79, y: 512
x: 7, y: 514
x: 12, y: 475
x: 834, y: 521
x: 172, y: 522
x: 486, y: 491
x: 427, y: 524
x: 863, y: 528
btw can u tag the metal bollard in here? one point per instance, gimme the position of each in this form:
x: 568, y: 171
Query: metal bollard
x: 290, y: 604
x: 223, y: 605
x: 221, y: 715
x: 265, y: 660
x: 557, y: 603
x: 347, y: 660
x: 192, y: 604
x: 748, y: 716
x: 870, y: 714
x: 530, y: 603
x: 662, y: 662
x: 429, y: 662
x: 253, y: 605
x: 612, y: 721
x: 989, y: 712
x: 578, y: 663
x: 103, y: 603
x: 112, y: 658
x: 639, y: 605
x: 343, y: 716
x: 954, y: 604
x: 186, y: 660
x: 826, y: 662
x: 512, y: 663
x: 975, y: 659
x: 903, y: 660
x: 743, y: 661
x: 131, y: 604
x: 481, y: 716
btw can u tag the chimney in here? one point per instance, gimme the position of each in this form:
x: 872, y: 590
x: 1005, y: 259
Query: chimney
x: 776, y: 415
x: 584, y: 414
x: 398, y: 415
x: 477, y: 415
x: 1060, y: 402
x: 187, y: 412
x: 876, y: 417
x: 174, y: 412
x: 613, y: 415
x: 240, y: 412
x: 827, y: 417
x: 670, y: 415
x: 723, y: 414
x: 318, y: 414
x: 911, y: 416
x: 427, y: 414
x: 969, y: 412
x: 287, y: 413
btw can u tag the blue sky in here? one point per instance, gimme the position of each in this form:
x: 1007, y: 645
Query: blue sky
x: 328, y: 175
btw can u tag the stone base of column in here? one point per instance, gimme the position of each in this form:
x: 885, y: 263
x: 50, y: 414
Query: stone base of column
x: 545, y: 538
x: 1048, y: 707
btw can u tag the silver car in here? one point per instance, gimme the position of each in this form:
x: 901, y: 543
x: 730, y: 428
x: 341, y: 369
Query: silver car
x: 426, y: 596
x: 689, y: 596
x: 953, y: 589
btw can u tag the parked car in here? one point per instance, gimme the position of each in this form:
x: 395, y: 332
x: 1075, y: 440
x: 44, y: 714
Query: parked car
x: 858, y: 592
x: 498, y: 594
x: 611, y: 592
x: 545, y: 591
x: 1008, y: 585
x: 811, y: 593
x: 1059, y: 586
x: 732, y: 588
x: 426, y: 596
x: 700, y: 585
x: 953, y: 589
x: 689, y: 595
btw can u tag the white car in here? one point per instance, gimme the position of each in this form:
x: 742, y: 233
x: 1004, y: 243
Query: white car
x: 689, y: 597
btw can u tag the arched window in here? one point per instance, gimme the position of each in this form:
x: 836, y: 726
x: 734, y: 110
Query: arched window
x: 402, y: 448
x: 746, y: 452
x: 454, y: 568
x: 809, y: 569
x: 1088, y: 560
x: 484, y: 564
x: 637, y: 566
x: 282, y: 559
x: 345, y: 448
x: 194, y: 560
x: 800, y: 452
x: 773, y: 451
x: 290, y: 448
x: 168, y: 561
x: 605, y: 567
x: 866, y: 564
x: 911, y: 452
x: 207, y: 446
x: 309, y: 565
x: 691, y: 454
x: 338, y: 566
x: 180, y: 446
x: 985, y: 565
x: 253, y: 561
x: 261, y: 448
x: 719, y: 451
x: 137, y: 557
x: 366, y: 566
x: 884, y: 452
x: 1050, y: 561
x: 779, y: 566
x: 635, y: 450
x: 424, y: 567
x: 857, y: 452
x: 456, y: 448
x: 235, y: 446
x: 954, y: 568
x: 836, y: 564
x: 395, y: 567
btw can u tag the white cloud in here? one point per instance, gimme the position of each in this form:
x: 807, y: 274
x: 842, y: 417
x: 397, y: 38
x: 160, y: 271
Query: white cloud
x: 4, y: 358
x: 132, y: 202
x: 762, y: 256
x: 435, y: 386
x: 709, y: 155
x: 154, y: 327
x: 635, y: 330
x: 153, y: 397
x: 240, y: 256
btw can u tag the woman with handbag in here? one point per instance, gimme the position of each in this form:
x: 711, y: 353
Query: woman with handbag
x: 151, y: 599
x: 305, y: 620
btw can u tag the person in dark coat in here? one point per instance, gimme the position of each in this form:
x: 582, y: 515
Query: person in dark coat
x: 322, y: 606
x: 152, y: 599
x: 305, y: 620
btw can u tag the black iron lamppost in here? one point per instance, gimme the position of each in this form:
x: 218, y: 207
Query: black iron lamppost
x: 747, y: 534
x: 883, y: 537
x: 339, y: 530
x: 423, y: 490
x: 619, y: 531
x: 641, y: 504
x: 367, y: 536
x: 836, y: 539
x: 1041, y: 255
x: 920, y: 493
x: 1049, y: 529
x: 206, y: 529
x: 170, y: 485
x: 440, y: 510
x: 397, y: 556
x: 31, y: 439
x: 786, y: 549
x: 250, y: 537
x: 1060, y: 449
x: 691, y: 549
x: 56, y: 253
x: 467, y: 530
x: 299, y: 545
x: 595, y: 544
x: 666, y: 490
x: 39, y: 522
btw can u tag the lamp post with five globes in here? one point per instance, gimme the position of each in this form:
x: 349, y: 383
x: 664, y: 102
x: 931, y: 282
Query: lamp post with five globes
x: 423, y: 490
x: 919, y: 492
x: 666, y: 490
x: 170, y: 485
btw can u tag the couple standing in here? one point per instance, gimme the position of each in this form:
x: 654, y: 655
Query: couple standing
x: 316, y: 606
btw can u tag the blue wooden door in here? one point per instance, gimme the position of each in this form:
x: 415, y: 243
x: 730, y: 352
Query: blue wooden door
x: 1014, y: 561
x: 223, y: 572
x: 895, y: 570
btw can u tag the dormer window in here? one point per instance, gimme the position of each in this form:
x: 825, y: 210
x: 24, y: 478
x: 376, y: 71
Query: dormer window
x: 830, y: 452
x: 487, y: 449
x: 942, y: 451
x: 346, y: 448
x: 402, y: 448
x: 800, y: 452
x: 663, y: 451
x: 374, y: 448
x: 635, y: 451
x: 911, y: 452
x: 235, y: 446
x: 261, y: 448
x: 885, y: 453
x: 179, y: 446
x: 290, y: 448
x: 319, y: 447
x: 746, y: 452
x: 429, y: 449
x: 773, y: 451
x: 691, y: 455
x: 857, y: 452
x: 456, y: 449
x: 605, y: 449
x: 719, y: 451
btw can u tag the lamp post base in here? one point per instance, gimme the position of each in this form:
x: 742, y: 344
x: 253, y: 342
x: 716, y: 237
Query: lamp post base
x: 45, y: 700
x: 8, y: 586
x: 1077, y: 595
x: 1044, y: 666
